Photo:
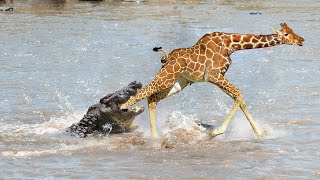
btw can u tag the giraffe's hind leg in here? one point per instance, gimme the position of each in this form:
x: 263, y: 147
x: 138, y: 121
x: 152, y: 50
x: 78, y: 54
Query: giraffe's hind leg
x: 155, y: 98
x: 236, y: 94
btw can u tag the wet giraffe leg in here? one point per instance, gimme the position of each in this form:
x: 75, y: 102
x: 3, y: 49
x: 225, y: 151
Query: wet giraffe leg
x: 166, y: 78
x: 256, y: 129
x: 155, y: 98
x: 236, y: 94
x: 152, y: 115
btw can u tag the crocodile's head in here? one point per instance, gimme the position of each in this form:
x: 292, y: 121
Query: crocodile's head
x: 106, y: 116
x: 111, y: 113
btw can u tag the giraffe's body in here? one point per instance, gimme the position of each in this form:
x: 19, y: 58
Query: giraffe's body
x: 207, y: 61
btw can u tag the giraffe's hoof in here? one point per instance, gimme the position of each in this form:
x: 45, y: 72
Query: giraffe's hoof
x: 261, y: 134
x: 216, y: 132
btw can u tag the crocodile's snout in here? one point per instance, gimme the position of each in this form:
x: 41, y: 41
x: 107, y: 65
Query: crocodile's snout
x: 107, y: 113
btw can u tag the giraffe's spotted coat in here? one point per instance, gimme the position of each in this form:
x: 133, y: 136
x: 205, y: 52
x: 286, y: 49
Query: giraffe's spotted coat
x: 207, y: 61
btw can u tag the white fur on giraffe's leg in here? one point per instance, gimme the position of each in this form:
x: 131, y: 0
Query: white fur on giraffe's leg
x: 180, y: 83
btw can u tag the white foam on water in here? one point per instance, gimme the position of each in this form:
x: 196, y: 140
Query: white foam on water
x: 49, y: 133
x: 240, y: 129
x: 180, y: 130
x: 183, y: 129
x: 53, y: 125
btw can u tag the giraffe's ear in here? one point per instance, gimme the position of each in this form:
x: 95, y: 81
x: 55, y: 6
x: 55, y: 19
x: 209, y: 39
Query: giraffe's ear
x: 275, y: 31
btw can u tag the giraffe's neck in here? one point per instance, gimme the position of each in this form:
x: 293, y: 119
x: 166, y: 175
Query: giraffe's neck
x: 237, y: 42
x: 142, y: 94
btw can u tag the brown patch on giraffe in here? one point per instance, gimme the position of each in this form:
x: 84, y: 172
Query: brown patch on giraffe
x: 217, y: 33
x: 215, y: 71
x: 203, y: 48
x: 194, y: 57
x: 227, y: 40
x: 205, y: 39
x: 182, y: 62
x: 162, y: 72
x: 264, y: 39
x: 176, y: 67
x: 215, y: 48
x: 158, y: 83
x: 222, y: 63
x: 266, y: 45
x: 247, y: 46
x: 202, y: 68
x: 170, y: 76
x: 255, y: 40
x: 209, y: 53
x: 247, y: 38
x: 217, y: 57
x: 216, y: 64
x: 191, y: 65
x: 169, y: 68
x: 259, y: 45
x: 269, y: 38
x: 197, y: 66
x: 236, y: 37
x: 224, y: 53
x: 201, y: 59
x: 186, y: 56
x: 217, y: 41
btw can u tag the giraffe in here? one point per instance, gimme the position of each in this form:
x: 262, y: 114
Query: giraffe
x: 208, y: 61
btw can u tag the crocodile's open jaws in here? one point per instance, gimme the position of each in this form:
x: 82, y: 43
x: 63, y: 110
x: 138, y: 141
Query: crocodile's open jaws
x: 106, y: 116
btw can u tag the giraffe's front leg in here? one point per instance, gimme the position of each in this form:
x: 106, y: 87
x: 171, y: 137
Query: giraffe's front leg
x: 155, y: 98
x: 152, y: 104
x: 225, y: 123
x: 256, y: 129
x: 236, y: 94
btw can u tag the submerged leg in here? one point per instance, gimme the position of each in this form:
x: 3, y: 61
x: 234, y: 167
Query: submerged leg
x: 236, y: 94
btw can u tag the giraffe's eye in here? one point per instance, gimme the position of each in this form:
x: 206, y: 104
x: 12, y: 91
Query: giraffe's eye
x: 286, y: 34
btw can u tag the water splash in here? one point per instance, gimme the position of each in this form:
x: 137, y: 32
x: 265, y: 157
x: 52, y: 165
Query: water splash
x: 182, y: 129
x: 54, y: 125
x: 240, y: 129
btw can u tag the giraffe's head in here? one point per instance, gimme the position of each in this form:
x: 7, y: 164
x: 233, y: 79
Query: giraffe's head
x: 287, y: 36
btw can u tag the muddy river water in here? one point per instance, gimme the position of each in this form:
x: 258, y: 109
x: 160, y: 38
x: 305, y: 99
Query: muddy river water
x: 58, y: 57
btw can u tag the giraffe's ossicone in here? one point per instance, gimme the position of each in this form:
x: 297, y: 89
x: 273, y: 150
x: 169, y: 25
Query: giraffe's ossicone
x: 208, y: 61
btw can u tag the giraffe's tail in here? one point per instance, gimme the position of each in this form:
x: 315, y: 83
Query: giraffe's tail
x: 165, y: 58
